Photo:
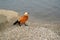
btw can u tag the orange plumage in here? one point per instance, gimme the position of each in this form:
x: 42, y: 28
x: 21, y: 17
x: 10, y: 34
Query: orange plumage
x: 23, y: 19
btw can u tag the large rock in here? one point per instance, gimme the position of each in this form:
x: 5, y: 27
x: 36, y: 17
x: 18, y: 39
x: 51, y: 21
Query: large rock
x: 9, y: 14
x: 6, y: 18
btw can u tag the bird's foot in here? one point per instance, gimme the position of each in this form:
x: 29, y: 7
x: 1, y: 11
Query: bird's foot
x: 25, y: 24
x: 20, y: 25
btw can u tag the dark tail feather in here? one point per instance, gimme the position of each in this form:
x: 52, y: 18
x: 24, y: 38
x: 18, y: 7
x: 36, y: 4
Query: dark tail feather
x: 15, y: 22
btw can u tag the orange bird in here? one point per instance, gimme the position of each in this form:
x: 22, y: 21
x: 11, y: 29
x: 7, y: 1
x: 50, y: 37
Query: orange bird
x: 22, y: 19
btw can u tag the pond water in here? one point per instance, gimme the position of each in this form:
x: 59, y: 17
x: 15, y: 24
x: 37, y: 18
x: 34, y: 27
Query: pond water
x: 48, y: 10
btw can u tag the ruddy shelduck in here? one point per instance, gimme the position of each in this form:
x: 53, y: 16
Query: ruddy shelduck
x: 22, y: 19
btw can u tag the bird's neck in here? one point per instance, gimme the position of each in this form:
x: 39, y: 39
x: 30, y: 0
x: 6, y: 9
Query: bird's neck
x: 26, y: 15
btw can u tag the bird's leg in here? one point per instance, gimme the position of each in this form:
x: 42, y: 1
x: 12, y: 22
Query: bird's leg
x: 19, y: 23
x: 25, y: 24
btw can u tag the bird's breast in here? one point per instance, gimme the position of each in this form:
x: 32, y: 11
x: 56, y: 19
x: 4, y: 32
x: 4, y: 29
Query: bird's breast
x: 23, y: 19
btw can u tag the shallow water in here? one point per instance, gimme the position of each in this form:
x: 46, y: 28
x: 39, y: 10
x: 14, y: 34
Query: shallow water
x: 46, y: 10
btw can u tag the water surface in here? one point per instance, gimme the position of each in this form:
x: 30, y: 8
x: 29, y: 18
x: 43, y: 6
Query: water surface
x: 48, y: 10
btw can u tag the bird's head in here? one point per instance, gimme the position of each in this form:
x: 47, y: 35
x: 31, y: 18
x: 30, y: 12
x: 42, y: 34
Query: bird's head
x: 26, y: 13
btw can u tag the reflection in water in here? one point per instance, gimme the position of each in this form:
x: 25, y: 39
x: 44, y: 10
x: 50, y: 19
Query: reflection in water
x: 41, y: 9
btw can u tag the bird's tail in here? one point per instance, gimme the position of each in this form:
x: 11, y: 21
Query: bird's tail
x: 15, y: 22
